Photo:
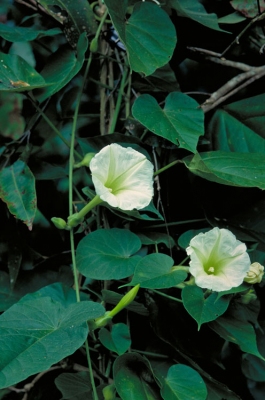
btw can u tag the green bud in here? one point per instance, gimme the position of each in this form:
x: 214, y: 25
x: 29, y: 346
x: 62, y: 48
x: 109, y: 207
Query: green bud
x: 99, y: 322
x: 86, y: 161
x: 109, y: 392
x: 94, y: 45
x: 248, y: 297
x: 125, y: 301
x: 59, y: 223
x: 73, y: 221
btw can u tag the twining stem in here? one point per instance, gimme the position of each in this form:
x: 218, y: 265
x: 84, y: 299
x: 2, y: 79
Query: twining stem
x: 72, y: 244
x: 119, y: 99
x: 52, y: 126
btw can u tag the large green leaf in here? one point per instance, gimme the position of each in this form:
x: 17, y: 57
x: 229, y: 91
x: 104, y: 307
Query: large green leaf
x: 20, y: 34
x: 74, y: 386
x: 132, y: 377
x: 155, y: 272
x: 183, y: 383
x: 237, y: 327
x: 75, y: 16
x: 181, y: 121
x: 195, y: 10
x: 118, y: 340
x: 234, y: 169
x: 149, y: 35
x: 203, y: 309
x: 61, y: 67
x: 17, y: 75
x: 108, y: 254
x: 43, y: 331
x: 17, y: 190
x: 239, y: 127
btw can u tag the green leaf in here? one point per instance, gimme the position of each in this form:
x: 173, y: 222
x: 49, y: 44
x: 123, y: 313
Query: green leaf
x: 154, y: 238
x: 43, y: 331
x: 196, y: 11
x: 17, y: 190
x: 74, y: 386
x: 248, y: 8
x: 239, y: 126
x: 181, y: 121
x: 155, y: 272
x: 76, y: 17
x: 117, y: 340
x: 234, y: 169
x: 183, y: 383
x: 20, y: 34
x: 253, y: 367
x: 149, y: 35
x: 12, y: 123
x: 108, y: 254
x: 233, y: 18
x: 17, y: 75
x: 133, y: 378
x: 61, y: 67
x: 237, y: 327
x: 203, y: 309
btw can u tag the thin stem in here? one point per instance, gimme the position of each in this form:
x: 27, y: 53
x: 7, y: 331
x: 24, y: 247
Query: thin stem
x: 166, y: 295
x: 71, y: 168
x: 119, y: 99
x: 52, y: 126
x: 91, y: 371
x: 166, y: 167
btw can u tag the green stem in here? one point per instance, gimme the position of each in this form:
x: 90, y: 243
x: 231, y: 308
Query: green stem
x: 52, y: 126
x: 166, y: 167
x: 91, y: 371
x: 71, y: 168
x: 77, y: 218
x: 166, y: 295
x: 119, y: 99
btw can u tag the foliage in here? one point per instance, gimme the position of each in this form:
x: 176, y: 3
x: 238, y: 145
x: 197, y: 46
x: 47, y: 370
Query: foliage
x: 99, y: 302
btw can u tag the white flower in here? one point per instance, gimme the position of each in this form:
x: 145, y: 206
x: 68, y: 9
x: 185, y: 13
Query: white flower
x: 255, y: 273
x: 218, y: 260
x: 122, y: 177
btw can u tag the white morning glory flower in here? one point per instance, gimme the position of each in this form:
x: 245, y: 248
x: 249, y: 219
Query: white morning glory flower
x: 255, y: 273
x: 122, y: 177
x: 218, y: 260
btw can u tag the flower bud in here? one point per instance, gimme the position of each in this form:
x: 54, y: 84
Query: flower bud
x: 255, y: 273
x: 59, y: 223
x: 109, y: 392
x: 125, y: 301
x: 86, y: 161
x: 74, y: 220
x: 94, y: 45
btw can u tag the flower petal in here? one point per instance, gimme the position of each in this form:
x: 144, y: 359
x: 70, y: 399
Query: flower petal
x: 122, y: 177
x: 218, y: 260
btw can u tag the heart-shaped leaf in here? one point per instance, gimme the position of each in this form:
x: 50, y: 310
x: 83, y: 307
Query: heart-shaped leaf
x: 149, y: 35
x: 203, y: 309
x: 155, y: 272
x: 181, y: 121
x: 117, y: 340
x: 183, y: 383
x: 43, y: 331
x: 108, y: 254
